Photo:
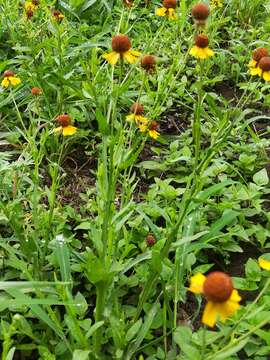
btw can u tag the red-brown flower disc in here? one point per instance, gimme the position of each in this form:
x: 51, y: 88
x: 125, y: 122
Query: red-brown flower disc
x: 169, y: 4
x: 121, y: 43
x: 259, y: 53
x: 217, y: 287
x: 200, y: 11
x: 36, y: 91
x: 264, y: 63
x: 29, y: 13
x: 137, y: 108
x: 153, y: 125
x: 150, y: 240
x: 8, y: 73
x: 201, y: 41
x: 63, y: 119
x: 148, y: 62
x: 35, y: 2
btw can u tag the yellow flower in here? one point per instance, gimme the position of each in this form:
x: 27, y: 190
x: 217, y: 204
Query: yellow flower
x: 10, y: 79
x: 222, y: 299
x: 121, y: 47
x: 217, y: 3
x: 149, y: 127
x: 29, y: 6
x: 264, y: 262
x: 65, y: 128
x: 201, y: 50
x: 139, y: 119
x: 168, y: 9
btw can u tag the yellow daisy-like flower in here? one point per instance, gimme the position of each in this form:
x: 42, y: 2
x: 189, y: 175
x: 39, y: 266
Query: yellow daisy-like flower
x: 201, y: 50
x: 137, y: 118
x: 262, y: 69
x: 29, y: 6
x: 121, y: 46
x: 216, y: 3
x: 10, y: 79
x: 222, y: 299
x: 65, y: 128
x: 150, y: 128
x: 264, y: 262
x: 168, y: 9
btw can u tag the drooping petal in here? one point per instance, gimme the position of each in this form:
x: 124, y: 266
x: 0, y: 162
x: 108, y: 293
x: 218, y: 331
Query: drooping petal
x: 210, y: 314
x: 209, y: 52
x: 235, y: 296
x: 112, y: 57
x: 69, y: 130
x: 264, y: 264
x: 141, y: 120
x: 5, y: 82
x: 196, y: 283
x: 129, y: 57
x: 172, y: 14
x: 252, y: 63
x: 255, y: 71
x: 266, y: 75
x: 135, y: 53
x: 14, y: 80
x: 153, y: 134
x: 142, y: 128
x: 227, y: 309
x: 130, y: 117
x: 58, y: 129
x: 161, y: 11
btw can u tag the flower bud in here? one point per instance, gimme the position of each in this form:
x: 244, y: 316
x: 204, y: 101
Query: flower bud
x: 153, y: 125
x: 169, y: 4
x: 121, y: 43
x: 36, y: 91
x: 200, y: 11
x: 264, y: 63
x: 150, y: 240
x: 148, y: 63
x: 137, y: 109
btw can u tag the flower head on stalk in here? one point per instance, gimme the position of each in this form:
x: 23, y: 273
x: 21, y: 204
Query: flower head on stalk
x: 149, y: 127
x: 201, y: 50
x: 136, y: 114
x: 10, y: 79
x: 260, y: 64
x: 35, y: 91
x: 121, y: 46
x: 264, y: 261
x: 58, y: 16
x: 200, y: 13
x: 148, y: 63
x: 257, y: 54
x: 222, y: 299
x: 168, y: 9
x: 29, y: 6
x: 64, y: 127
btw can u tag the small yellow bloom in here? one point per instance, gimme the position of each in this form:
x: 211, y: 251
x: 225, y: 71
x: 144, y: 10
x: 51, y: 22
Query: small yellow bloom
x: 222, y: 299
x: 29, y: 6
x: 168, y: 9
x: 201, y: 53
x: 149, y: 127
x: 139, y: 119
x: 66, y: 130
x: 217, y: 3
x: 262, y: 68
x: 13, y: 80
x: 264, y: 263
x: 121, y: 47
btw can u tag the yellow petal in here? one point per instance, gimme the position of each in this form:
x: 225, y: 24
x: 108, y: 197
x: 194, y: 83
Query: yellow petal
x: 135, y: 53
x: 5, y: 82
x: 153, y: 134
x: 255, y: 71
x: 69, y: 130
x: 235, y: 296
x: 112, y: 57
x: 161, y: 11
x: 252, y: 63
x: 130, y: 57
x: 28, y: 5
x: 58, y: 129
x: 227, y: 309
x: 142, y: 128
x: 195, y: 51
x: 130, y: 117
x: 264, y: 264
x: 266, y: 75
x: 209, y: 52
x: 14, y: 80
x: 172, y: 14
x: 196, y: 283
x: 141, y: 120
x: 210, y: 314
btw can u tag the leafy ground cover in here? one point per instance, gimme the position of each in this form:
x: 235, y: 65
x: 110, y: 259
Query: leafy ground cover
x: 134, y: 173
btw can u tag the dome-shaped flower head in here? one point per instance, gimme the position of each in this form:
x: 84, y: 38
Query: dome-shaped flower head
x: 257, y: 54
x: 148, y: 63
x: 64, y: 127
x: 200, y: 13
x: 136, y: 114
x: 36, y: 91
x: 201, y: 50
x: 121, y: 46
x: 168, y: 9
x: 222, y: 299
x: 150, y: 240
x: 10, y: 79
x: 263, y: 68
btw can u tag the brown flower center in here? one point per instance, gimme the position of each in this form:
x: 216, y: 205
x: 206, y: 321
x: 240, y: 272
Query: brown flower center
x: 153, y: 125
x: 200, y: 11
x: 264, y: 63
x: 217, y: 287
x: 36, y: 91
x: 148, y: 62
x: 63, y: 120
x: 259, y: 53
x: 201, y: 41
x: 8, y: 73
x: 137, y: 109
x: 121, y: 43
x: 169, y: 4
x: 150, y: 240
